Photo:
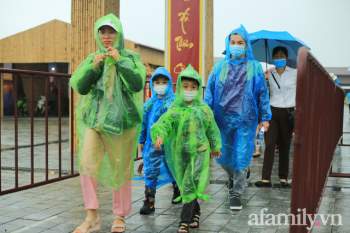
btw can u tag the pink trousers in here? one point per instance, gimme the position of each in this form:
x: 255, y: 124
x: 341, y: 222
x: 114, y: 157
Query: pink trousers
x: 121, y: 198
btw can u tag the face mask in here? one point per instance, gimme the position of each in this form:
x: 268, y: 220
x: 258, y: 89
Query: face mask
x: 160, y: 89
x: 190, y: 95
x: 280, y: 63
x: 237, y: 51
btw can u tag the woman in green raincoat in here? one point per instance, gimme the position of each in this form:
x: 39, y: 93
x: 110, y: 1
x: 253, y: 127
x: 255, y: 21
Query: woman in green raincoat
x: 190, y: 136
x: 110, y: 82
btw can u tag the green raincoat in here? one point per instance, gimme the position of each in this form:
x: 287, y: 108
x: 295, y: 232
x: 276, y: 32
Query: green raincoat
x: 111, y: 103
x: 190, y: 134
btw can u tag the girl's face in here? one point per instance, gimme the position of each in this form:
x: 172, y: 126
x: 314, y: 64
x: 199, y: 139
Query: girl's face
x: 237, y: 40
x: 107, y: 36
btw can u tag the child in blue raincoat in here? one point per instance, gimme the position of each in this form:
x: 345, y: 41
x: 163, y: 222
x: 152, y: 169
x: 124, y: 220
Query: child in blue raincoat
x: 155, y: 168
x: 238, y: 95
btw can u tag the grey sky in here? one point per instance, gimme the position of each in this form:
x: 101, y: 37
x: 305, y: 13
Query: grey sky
x: 321, y: 24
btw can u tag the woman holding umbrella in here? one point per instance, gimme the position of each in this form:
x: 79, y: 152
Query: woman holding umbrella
x: 282, y: 82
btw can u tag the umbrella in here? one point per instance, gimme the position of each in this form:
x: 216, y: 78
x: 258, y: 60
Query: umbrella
x: 264, y: 41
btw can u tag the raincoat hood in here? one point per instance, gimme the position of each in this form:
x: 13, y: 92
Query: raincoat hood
x: 244, y: 34
x: 188, y: 72
x: 165, y: 73
x: 110, y: 19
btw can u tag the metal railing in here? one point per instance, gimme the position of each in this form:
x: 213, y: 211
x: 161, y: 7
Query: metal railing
x: 318, y: 129
x: 38, y: 76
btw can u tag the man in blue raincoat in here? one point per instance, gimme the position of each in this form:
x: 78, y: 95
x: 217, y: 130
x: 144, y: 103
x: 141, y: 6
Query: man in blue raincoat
x: 238, y: 96
x: 155, y: 168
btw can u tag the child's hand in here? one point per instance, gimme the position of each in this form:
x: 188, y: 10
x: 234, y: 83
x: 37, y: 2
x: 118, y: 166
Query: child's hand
x: 159, y: 143
x: 215, y: 154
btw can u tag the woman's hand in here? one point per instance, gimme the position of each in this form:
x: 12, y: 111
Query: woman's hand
x: 112, y: 52
x: 215, y: 154
x: 267, y: 75
x: 159, y: 143
x: 98, y: 59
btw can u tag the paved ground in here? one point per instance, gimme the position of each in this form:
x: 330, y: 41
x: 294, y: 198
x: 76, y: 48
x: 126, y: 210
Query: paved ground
x: 58, y: 207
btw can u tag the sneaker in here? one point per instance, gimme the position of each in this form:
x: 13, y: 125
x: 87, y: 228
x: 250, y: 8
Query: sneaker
x: 147, y: 208
x: 235, y: 203
x: 263, y: 184
x: 284, y: 183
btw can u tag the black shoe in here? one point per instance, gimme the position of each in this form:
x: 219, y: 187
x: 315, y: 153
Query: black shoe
x: 148, y: 203
x: 262, y: 184
x: 235, y: 203
x: 248, y: 173
x: 147, y: 208
x: 176, y: 194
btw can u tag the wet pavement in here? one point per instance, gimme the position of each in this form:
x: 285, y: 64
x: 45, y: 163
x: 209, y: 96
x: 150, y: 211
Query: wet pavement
x: 58, y: 207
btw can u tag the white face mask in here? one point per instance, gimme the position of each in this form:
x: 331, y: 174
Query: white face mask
x: 190, y: 95
x: 160, y: 89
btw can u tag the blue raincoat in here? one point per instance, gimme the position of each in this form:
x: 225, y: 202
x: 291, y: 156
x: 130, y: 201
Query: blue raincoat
x: 155, y: 169
x: 238, y: 95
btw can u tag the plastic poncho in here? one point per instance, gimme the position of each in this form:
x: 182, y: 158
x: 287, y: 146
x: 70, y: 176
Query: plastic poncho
x: 111, y: 103
x: 190, y: 134
x: 238, y: 95
x: 155, y: 169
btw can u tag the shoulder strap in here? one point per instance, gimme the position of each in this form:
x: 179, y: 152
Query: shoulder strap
x: 278, y: 85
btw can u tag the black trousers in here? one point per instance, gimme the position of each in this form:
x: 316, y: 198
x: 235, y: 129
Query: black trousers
x: 280, y: 133
x: 189, y: 210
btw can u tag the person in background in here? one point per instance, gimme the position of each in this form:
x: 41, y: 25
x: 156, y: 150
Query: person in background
x: 282, y: 81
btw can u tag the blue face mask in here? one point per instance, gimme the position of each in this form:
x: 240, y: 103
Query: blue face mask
x: 280, y: 63
x: 237, y: 51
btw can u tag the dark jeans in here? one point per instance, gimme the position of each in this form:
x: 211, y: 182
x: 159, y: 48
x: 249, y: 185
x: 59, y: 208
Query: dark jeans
x: 189, y: 210
x: 280, y: 133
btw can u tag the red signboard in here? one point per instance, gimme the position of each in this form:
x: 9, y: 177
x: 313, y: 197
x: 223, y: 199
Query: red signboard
x: 184, y: 35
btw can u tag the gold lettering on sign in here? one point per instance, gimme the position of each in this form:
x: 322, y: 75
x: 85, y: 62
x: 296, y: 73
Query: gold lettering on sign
x: 184, y: 18
x: 179, y: 67
x: 182, y: 43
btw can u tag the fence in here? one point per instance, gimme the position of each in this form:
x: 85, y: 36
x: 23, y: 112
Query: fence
x: 318, y: 128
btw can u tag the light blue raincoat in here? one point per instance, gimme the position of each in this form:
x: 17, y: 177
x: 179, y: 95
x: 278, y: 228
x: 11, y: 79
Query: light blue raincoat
x: 239, y: 98
x: 155, y: 168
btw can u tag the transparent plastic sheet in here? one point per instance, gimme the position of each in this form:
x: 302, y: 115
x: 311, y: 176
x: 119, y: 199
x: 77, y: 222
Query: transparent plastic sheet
x: 249, y: 104
x: 154, y: 107
x: 109, y: 112
x: 190, y: 134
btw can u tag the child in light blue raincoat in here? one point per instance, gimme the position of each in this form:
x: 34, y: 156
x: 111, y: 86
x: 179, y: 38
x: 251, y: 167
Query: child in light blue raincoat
x: 155, y: 168
x: 238, y: 95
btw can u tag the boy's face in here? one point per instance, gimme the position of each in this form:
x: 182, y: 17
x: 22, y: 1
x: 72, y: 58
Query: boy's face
x: 189, y: 85
x: 160, y: 80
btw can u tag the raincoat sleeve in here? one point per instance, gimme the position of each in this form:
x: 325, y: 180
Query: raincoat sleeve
x: 263, y: 96
x: 133, y: 72
x: 209, y: 92
x: 143, y: 135
x: 164, y: 125
x: 213, y: 132
x: 85, y: 76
